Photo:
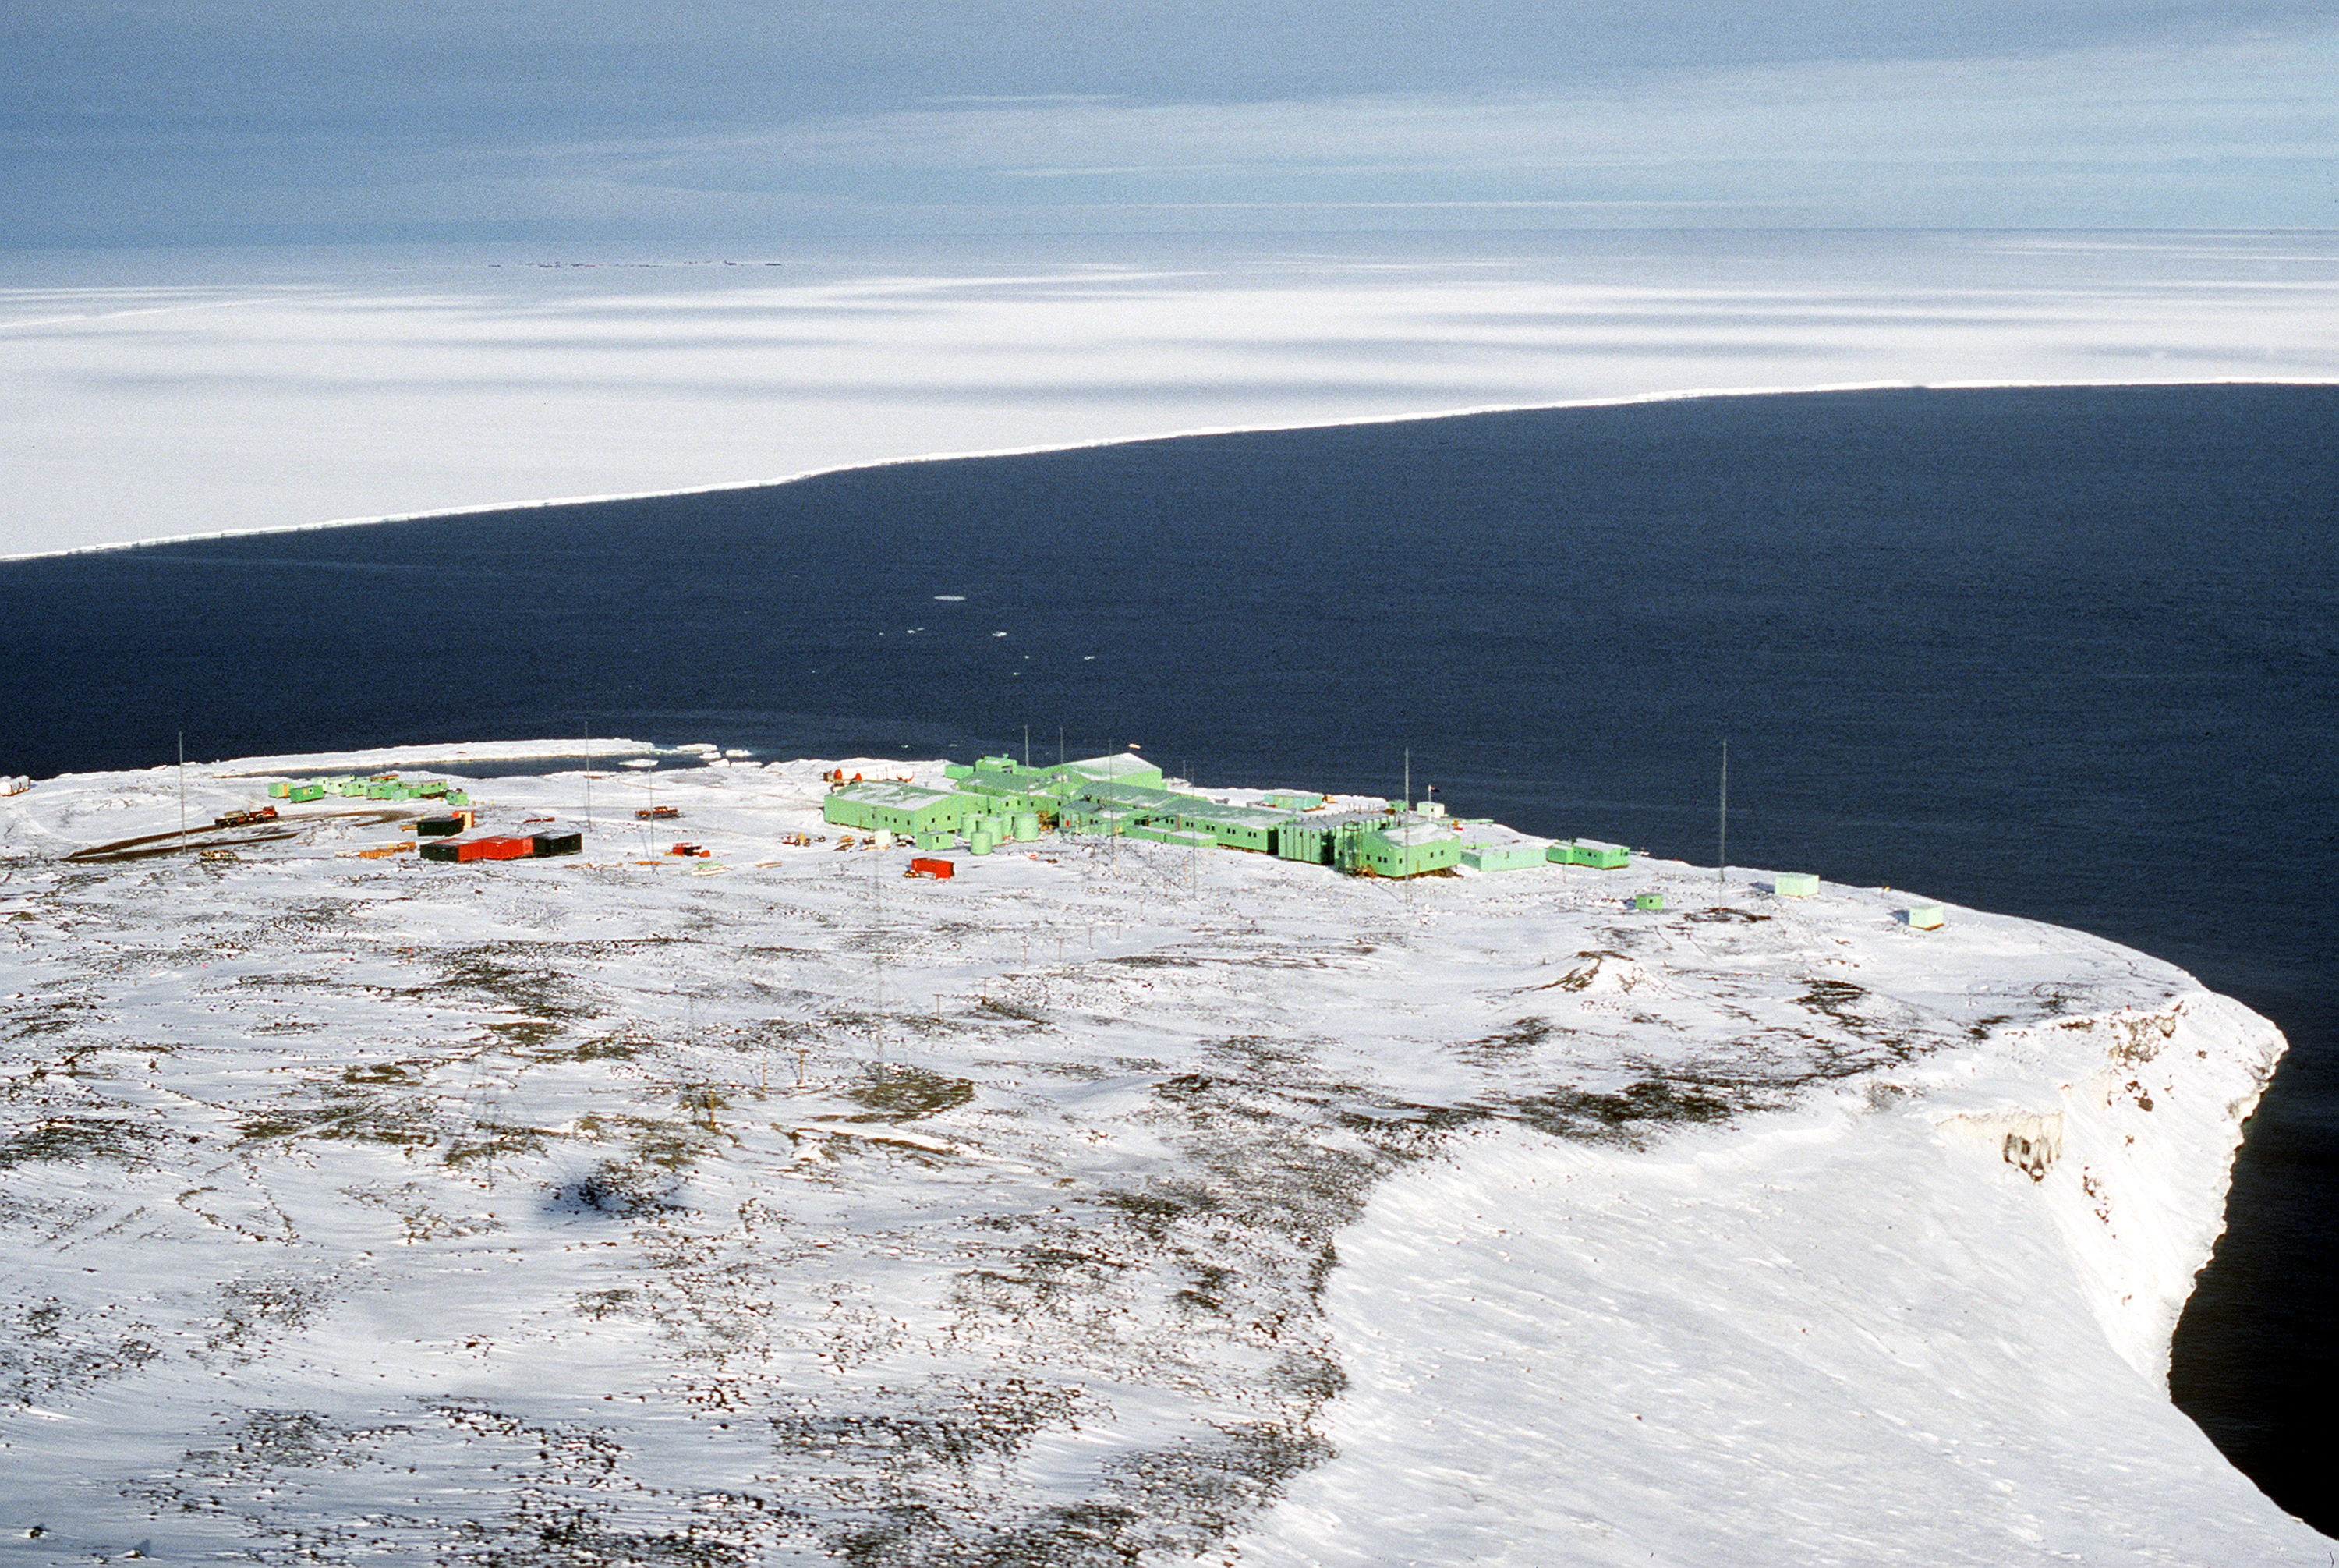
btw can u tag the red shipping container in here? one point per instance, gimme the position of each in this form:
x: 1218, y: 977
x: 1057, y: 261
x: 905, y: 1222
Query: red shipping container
x: 933, y: 868
x: 470, y: 849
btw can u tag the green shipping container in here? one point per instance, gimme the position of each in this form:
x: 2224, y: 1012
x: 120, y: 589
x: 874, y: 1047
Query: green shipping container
x: 301, y: 793
x: 280, y: 791
x: 1795, y: 884
x: 1648, y: 901
x: 1925, y: 916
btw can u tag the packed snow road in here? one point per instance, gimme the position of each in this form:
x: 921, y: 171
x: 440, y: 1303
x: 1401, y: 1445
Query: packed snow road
x: 1108, y: 1203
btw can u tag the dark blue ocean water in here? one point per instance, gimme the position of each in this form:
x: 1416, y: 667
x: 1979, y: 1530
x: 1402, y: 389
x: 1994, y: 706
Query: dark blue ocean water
x: 2064, y: 653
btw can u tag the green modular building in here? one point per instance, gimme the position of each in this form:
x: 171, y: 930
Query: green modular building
x: 1795, y: 884
x: 1233, y: 826
x: 1491, y: 854
x: 1123, y: 795
x: 902, y: 808
x: 1589, y: 852
x: 299, y: 794
x: 1399, y: 846
x: 1148, y: 802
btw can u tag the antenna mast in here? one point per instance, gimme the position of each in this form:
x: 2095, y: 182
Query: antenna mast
x: 1721, y: 846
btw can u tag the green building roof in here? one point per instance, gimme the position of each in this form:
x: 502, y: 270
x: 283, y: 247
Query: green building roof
x: 1119, y: 767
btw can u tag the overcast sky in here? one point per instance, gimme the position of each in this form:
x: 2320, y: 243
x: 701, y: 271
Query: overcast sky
x: 142, y: 122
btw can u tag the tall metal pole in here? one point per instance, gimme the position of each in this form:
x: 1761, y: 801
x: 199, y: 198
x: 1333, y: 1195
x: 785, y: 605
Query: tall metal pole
x: 1409, y: 778
x: 1721, y: 848
x: 588, y: 778
x: 183, y: 785
x: 1027, y: 747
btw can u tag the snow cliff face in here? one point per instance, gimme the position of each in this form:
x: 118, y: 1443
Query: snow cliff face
x: 1104, y: 1203
x: 2132, y: 1154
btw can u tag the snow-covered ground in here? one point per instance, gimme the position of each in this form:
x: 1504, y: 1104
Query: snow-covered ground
x: 147, y: 395
x: 1102, y: 1203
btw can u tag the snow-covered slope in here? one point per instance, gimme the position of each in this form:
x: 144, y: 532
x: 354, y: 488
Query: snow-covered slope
x: 1102, y: 1203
